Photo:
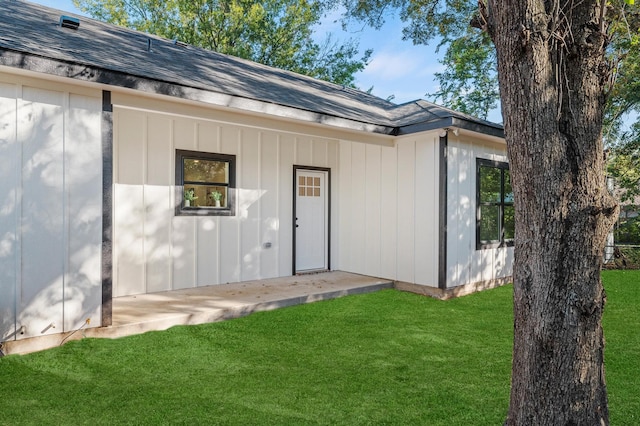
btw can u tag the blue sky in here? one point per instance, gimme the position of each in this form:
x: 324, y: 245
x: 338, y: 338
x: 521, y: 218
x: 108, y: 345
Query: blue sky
x: 397, y: 68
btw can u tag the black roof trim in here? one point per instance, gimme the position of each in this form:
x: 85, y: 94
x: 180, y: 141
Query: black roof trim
x: 425, y: 126
x: 454, y: 122
x: 487, y: 129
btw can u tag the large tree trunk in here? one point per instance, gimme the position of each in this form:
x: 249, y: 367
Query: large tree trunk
x: 553, y: 78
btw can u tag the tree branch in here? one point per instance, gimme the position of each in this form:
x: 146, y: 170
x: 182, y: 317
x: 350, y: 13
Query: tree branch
x: 481, y: 17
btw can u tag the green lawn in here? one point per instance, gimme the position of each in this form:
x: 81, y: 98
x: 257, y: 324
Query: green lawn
x: 381, y: 358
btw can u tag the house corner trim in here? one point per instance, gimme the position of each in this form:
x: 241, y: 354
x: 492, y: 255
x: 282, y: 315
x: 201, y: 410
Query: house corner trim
x: 107, y: 209
x: 443, y: 213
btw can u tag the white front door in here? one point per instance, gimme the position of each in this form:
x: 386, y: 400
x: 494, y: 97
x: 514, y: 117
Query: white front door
x: 311, y: 220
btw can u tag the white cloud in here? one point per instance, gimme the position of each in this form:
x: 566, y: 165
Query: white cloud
x: 392, y: 65
x: 406, y: 73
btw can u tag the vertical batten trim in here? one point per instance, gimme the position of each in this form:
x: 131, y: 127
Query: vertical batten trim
x: 217, y: 218
x: 107, y: 210
x: 20, y: 139
x: 416, y: 187
x: 328, y: 213
x: 196, y: 220
x: 17, y: 199
x: 145, y: 179
x: 293, y: 209
x: 381, y: 213
x: 443, y: 211
x: 278, y: 195
x: 172, y: 199
x: 66, y: 202
x: 239, y: 199
x: 260, y: 201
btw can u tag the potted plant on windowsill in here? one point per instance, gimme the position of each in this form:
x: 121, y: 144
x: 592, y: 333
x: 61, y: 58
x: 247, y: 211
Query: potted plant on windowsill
x: 216, y: 196
x: 189, y: 196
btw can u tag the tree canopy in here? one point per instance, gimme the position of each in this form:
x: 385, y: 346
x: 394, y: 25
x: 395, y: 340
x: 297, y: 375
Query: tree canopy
x: 469, y: 82
x: 277, y: 33
x: 623, y: 141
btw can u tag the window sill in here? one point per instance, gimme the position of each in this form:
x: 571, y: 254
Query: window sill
x: 204, y: 211
x: 494, y: 245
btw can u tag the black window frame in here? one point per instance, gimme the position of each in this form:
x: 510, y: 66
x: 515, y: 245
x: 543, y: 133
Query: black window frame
x: 501, y: 204
x: 181, y: 209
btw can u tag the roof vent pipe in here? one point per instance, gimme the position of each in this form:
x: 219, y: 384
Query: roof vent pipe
x: 149, y: 45
x: 69, y: 22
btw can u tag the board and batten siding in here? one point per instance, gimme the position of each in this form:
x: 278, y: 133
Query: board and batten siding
x: 154, y: 250
x: 51, y: 207
x: 389, y: 209
x: 465, y: 264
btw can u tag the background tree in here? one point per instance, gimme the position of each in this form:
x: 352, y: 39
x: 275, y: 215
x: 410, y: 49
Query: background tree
x: 624, y: 167
x: 623, y: 142
x: 469, y: 82
x: 555, y: 77
x: 277, y: 33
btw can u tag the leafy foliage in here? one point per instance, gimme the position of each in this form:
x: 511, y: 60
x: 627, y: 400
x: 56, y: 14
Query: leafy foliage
x: 628, y: 232
x: 624, y: 165
x: 277, y: 33
x: 624, y: 102
x: 469, y: 83
x: 624, y: 53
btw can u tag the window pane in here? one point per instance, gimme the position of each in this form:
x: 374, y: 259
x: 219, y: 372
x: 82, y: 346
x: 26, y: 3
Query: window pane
x: 508, y: 191
x: 206, y: 171
x: 509, y: 222
x: 216, y: 196
x: 489, y: 223
x: 205, y: 196
x: 489, y: 184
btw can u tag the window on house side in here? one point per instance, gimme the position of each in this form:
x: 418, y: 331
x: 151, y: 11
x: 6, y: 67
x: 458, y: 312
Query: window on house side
x: 205, y: 184
x: 495, y: 213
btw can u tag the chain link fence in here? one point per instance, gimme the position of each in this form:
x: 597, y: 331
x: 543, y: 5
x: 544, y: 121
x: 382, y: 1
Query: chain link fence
x: 622, y: 256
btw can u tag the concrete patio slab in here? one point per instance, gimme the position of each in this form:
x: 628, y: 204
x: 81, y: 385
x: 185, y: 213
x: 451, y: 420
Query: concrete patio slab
x: 160, y: 311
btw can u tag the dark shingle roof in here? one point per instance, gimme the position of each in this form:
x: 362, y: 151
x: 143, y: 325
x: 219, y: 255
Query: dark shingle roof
x: 31, y: 38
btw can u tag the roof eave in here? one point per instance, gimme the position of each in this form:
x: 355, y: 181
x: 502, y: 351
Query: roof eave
x: 453, y: 122
x: 35, y: 63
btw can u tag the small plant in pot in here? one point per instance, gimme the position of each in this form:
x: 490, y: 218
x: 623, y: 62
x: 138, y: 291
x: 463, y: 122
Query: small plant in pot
x: 216, y: 196
x: 189, y: 196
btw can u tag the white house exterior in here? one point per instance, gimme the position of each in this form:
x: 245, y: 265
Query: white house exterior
x: 99, y: 126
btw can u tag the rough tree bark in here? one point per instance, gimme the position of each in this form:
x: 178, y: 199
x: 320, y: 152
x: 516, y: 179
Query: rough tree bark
x: 553, y: 82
